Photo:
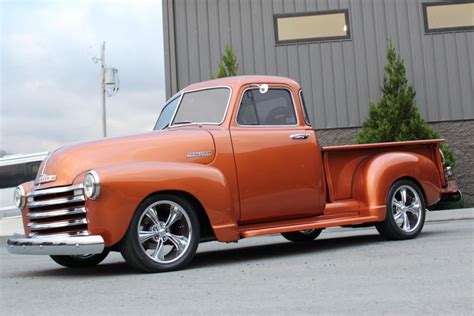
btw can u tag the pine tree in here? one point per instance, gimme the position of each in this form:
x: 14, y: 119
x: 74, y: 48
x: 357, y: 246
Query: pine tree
x: 395, y: 117
x: 228, y: 64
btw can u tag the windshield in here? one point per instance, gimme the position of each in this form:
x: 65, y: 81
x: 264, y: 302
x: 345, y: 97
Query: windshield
x: 167, y: 114
x: 203, y: 106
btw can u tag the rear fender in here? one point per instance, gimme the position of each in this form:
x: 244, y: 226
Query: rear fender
x: 123, y: 187
x: 375, y: 176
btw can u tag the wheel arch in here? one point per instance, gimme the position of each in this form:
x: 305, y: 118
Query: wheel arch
x: 207, y: 232
x: 376, y: 175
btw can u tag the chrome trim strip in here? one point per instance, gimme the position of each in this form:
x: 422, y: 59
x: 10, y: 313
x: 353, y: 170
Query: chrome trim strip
x: 203, y: 123
x: 67, y: 246
x: 45, y: 178
x: 68, y: 234
x: 60, y: 224
x: 67, y: 200
x: 45, y: 161
x: 55, y: 213
x: 199, y: 154
x: 55, y: 190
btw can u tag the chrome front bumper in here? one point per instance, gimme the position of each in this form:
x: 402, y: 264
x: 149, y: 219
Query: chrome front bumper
x: 68, y: 245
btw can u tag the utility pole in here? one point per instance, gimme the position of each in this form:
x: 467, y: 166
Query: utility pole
x: 109, y: 84
x: 102, y: 87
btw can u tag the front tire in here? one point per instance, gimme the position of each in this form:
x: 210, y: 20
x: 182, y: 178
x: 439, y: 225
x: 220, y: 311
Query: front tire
x: 81, y: 261
x: 163, y: 234
x: 406, y: 211
x: 301, y: 236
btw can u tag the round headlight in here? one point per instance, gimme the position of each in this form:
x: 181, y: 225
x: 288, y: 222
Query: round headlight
x: 19, y: 197
x: 91, y: 185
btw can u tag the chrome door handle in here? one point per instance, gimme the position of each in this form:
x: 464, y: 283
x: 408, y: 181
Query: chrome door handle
x: 299, y: 136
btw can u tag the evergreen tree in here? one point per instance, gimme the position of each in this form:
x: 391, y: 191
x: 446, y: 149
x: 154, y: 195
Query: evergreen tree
x: 396, y: 117
x: 228, y: 65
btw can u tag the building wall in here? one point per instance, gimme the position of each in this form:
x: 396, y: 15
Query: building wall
x: 339, y: 78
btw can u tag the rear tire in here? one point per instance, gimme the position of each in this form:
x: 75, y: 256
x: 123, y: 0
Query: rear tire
x: 405, y: 212
x: 301, y: 236
x: 82, y: 261
x: 163, y: 234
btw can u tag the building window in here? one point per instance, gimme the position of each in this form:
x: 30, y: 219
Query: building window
x: 448, y: 16
x: 312, y: 26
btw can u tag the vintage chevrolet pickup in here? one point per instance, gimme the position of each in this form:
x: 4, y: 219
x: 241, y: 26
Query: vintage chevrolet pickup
x: 228, y: 159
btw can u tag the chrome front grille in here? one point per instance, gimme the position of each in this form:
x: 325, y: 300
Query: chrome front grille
x: 57, y: 211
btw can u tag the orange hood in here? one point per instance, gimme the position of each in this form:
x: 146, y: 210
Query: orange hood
x: 177, y: 145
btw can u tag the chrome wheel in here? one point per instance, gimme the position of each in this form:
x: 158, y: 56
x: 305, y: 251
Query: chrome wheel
x: 164, y: 231
x: 406, y: 208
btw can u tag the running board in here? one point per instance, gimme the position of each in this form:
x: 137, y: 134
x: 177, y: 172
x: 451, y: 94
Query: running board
x: 321, y: 221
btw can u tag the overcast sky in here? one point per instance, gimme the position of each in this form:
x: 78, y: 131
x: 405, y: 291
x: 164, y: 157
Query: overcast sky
x: 50, y: 93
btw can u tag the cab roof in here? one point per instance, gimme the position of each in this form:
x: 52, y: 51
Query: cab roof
x: 238, y: 81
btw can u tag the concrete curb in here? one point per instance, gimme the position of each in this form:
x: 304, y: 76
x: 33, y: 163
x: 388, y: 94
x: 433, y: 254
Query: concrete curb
x: 450, y: 215
x: 11, y: 225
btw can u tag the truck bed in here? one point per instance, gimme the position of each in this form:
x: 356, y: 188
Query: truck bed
x: 342, y: 162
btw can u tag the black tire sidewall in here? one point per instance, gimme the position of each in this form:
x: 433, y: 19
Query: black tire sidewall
x: 78, y: 262
x: 298, y: 236
x: 132, y: 250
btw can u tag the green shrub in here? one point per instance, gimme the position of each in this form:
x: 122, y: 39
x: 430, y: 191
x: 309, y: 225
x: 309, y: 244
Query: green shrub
x: 228, y: 65
x: 395, y: 117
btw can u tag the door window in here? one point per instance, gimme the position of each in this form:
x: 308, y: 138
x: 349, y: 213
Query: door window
x: 275, y: 107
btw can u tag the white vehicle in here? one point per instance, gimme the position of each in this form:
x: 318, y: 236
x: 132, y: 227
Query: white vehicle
x: 14, y: 170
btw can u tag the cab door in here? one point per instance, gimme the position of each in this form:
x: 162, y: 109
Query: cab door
x: 277, y: 157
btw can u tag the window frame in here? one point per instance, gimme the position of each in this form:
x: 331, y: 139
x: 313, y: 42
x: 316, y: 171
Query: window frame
x: 202, y: 123
x: 304, y: 109
x: 312, y: 39
x: 424, y: 12
x: 268, y: 126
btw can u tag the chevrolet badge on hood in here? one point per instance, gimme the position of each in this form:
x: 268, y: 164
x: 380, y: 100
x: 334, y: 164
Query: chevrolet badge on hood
x: 44, y: 178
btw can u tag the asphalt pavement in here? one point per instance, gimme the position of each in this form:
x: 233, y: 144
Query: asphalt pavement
x: 344, y: 271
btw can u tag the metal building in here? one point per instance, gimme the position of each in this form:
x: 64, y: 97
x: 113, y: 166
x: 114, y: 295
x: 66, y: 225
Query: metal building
x: 336, y: 50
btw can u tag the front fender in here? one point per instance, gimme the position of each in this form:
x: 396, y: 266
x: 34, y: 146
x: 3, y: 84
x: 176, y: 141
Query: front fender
x: 375, y: 176
x: 123, y: 187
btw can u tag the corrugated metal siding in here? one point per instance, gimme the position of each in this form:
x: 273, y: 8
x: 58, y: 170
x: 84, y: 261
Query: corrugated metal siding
x: 339, y: 78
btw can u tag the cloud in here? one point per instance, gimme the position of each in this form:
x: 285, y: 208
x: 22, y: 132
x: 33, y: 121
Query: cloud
x: 49, y: 84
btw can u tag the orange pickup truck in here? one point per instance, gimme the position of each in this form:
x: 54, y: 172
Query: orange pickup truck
x: 228, y: 159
